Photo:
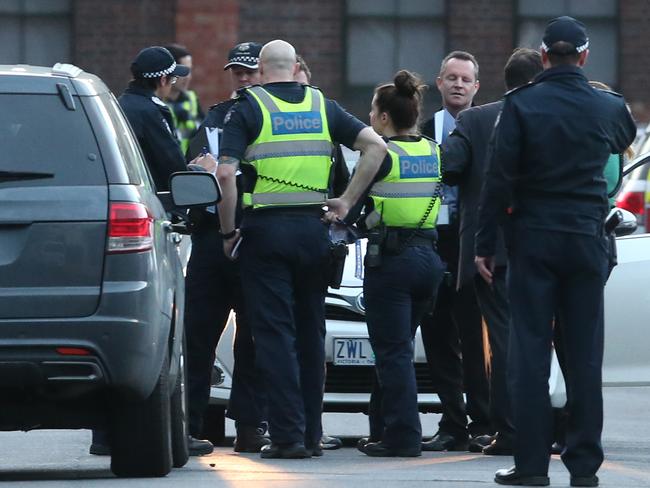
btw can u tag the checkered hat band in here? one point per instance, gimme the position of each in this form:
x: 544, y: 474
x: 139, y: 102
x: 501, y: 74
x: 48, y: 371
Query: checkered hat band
x: 158, y: 74
x: 579, y: 49
x: 244, y: 59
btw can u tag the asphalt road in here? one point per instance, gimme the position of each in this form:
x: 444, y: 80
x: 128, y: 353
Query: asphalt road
x: 60, y: 459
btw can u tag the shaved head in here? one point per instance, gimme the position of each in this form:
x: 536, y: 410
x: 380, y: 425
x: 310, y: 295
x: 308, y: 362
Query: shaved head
x: 278, y: 61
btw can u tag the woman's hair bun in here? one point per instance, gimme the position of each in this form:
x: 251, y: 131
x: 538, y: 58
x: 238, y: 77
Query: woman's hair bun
x: 407, y: 84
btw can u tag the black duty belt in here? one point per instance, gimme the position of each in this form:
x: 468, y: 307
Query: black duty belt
x: 405, y: 237
x: 308, y: 210
x: 419, y: 241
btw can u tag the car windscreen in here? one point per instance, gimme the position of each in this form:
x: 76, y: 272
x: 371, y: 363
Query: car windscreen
x: 44, y: 143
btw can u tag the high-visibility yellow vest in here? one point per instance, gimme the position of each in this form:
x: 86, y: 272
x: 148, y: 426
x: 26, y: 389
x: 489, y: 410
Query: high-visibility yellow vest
x: 292, y: 155
x: 403, y: 197
x: 185, y: 129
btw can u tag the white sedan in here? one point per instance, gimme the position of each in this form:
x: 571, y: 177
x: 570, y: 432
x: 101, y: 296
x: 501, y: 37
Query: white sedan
x: 349, y: 355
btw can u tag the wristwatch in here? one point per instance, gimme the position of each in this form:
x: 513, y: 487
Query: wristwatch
x: 228, y: 235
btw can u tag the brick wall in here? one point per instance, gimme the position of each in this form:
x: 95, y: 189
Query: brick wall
x: 314, y: 27
x: 109, y: 34
x: 209, y: 29
x: 485, y: 29
x: 634, y: 59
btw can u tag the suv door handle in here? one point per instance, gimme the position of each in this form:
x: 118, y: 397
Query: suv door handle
x: 173, y: 231
x: 180, y: 227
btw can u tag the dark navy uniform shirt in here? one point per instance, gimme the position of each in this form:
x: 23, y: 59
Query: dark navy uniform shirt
x: 217, y: 113
x: 203, y: 219
x: 153, y: 126
x: 546, y: 159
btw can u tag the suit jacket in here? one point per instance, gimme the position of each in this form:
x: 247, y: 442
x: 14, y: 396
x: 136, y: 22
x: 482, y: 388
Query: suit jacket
x: 464, y: 163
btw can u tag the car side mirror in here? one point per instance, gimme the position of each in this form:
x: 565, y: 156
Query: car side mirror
x: 194, y: 189
x: 627, y: 224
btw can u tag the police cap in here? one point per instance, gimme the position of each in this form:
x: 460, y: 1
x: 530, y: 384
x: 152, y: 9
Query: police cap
x: 155, y: 62
x: 246, y: 54
x: 565, y: 29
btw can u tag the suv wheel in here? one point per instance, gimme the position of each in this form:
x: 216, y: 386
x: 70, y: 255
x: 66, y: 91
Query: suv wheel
x: 141, y: 433
x: 180, y: 449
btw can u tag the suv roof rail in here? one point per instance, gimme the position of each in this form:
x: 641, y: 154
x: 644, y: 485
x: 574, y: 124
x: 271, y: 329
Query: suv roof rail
x: 66, y: 69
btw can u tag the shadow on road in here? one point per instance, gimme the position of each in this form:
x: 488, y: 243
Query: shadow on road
x: 35, y: 474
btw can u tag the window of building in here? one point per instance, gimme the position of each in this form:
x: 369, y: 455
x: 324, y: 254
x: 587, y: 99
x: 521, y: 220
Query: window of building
x: 37, y: 32
x: 386, y: 35
x: 601, y: 19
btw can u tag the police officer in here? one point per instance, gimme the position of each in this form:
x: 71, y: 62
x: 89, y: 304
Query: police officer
x: 154, y: 72
x: 242, y: 66
x: 551, y: 143
x: 213, y: 289
x: 183, y: 102
x: 402, y: 270
x: 282, y: 131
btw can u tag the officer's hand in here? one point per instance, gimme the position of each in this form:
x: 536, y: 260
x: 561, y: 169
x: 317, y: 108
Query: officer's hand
x: 229, y: 244
x: 206, y: 161
x: 485, y: 265
x: 337, y: 209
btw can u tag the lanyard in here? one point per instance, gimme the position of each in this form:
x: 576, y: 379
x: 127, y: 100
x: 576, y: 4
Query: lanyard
x: 439, y: 122
x: 358, y: 271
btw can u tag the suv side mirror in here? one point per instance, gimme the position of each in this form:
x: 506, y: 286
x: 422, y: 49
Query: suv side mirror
x: 194, y: 189
x: 627, y: 224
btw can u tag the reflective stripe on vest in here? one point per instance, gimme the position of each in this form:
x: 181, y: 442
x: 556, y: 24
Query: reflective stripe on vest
x: 389, y: 189
x: 401, y: 201
x: 292, y: 155
x: 283, y: 149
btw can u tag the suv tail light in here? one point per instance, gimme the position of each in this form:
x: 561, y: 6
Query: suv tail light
x: 130, y: 228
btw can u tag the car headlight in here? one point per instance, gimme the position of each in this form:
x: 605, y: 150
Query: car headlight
x: 218, y: 376
x: 360, y: 302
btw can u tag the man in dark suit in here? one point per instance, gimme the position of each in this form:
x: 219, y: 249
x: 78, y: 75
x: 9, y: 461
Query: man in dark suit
x: 464, y: 154
x: 456, y: 312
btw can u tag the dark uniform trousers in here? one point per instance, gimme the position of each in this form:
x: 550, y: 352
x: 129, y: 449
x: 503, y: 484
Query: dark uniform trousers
x: 212, y: 289
x: 284, y: 261
x: 493, y: 302
x: 453, y: 341
x: 556, y: 272
x: 397, y: 293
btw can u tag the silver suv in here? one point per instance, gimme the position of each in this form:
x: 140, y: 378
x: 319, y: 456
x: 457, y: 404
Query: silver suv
x: 91, y: 284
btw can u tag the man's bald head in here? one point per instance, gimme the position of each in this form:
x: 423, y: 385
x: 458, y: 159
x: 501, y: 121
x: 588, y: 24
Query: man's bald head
x: 278, y: 61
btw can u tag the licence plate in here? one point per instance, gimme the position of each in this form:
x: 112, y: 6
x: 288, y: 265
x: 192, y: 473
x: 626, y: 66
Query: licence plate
x: 353, y: 351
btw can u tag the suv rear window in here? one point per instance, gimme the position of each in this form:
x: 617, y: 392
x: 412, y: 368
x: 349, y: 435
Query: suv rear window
x: 39, y: 134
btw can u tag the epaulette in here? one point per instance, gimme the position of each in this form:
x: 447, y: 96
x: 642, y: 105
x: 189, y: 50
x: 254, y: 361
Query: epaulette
x: 242, y: 91
x: 519, y: 88
x: 158, y: 101
x: 223, y: 104
x: 611, y: 92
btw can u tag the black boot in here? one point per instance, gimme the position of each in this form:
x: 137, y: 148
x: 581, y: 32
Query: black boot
x: 250, y: 439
